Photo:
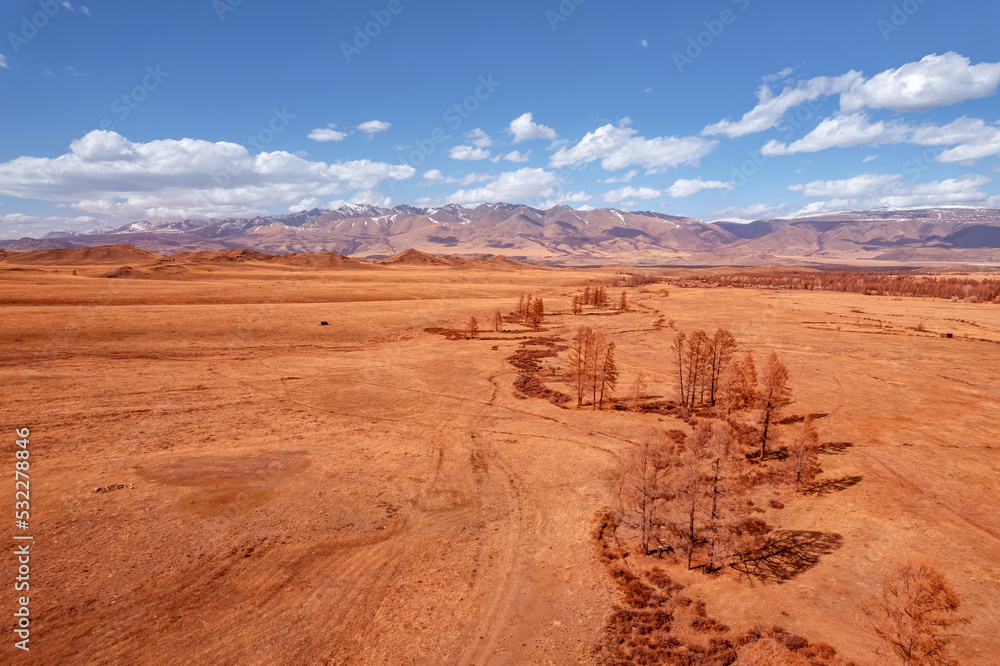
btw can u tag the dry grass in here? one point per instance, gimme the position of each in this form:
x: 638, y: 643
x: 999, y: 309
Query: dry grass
x: 369, y: 492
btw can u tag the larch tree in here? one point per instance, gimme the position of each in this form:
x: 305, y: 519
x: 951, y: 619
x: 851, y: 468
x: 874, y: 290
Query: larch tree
x: 526, y: 315
x: 623, y: 303
x: 721, y: 350
x: 726, y: 507
x: 677, y: 353
x: 690, y: 489
x: 577, y: 307
x: 579, y: 359
x: 472, y: 328
x: 537, y: 314
x: 586, y: 296
x: 609, y: 374
x: 911, y: 613
x: 498, y: 322
x: 635, y: 395
x: 598, y: 347
x: 774, y: 394
x: 695, y: 361
x: 644, y: 488
x: 803, y: 456
x: 520, y: 306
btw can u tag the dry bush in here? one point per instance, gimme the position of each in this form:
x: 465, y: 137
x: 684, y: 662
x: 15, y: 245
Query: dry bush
x: 911, y: 614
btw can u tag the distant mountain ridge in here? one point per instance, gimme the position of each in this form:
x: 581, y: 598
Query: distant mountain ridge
x: 563, y: 235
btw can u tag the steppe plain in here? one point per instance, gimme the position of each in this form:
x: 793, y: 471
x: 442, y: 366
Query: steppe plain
x: 374, y: 492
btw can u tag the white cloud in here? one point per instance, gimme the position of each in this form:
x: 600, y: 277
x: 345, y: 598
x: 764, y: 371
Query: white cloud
x: 934, y: 81
x: 374, y: 127
x: 618, y: 147
x: 780, y: 76
x: 84, y: 9
x: 306, y: 204
x: 685, y: 188
x: 468, y: 153
x: 771, y: 108
x: 479, y: 138
x: 567, y: 199
x: 859, y: 186
x: 870, y: 191
x: 3, y: 61
x: 644, y: 43
x: 750, y: 213
x: 974, y: 137
x: 521, y: 185
x: 19, y: 225
x: 843, y: 131
x: 870, y: 158
x: 624, y: 178
x: 524, y: 128
x: 105, y: 173
x: 516, y: 156
x: 327, y: 134
x: 629, y: 192
x: 648, y: 90
x: 434, y: 175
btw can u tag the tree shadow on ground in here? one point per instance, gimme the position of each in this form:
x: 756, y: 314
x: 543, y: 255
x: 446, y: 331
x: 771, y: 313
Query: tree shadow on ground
x: 787, y: 553
x: 834, y: 485
x: 835, y: 448
x: 801, y: 418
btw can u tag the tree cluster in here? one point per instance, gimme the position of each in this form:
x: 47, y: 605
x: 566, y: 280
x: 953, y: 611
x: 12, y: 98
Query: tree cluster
x: 530, y: 311
x: 699, y: 361
x: 875, y: 283
x: 593, y: 369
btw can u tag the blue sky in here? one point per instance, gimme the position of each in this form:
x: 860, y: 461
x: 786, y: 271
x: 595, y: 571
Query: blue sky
x: 116, y: 111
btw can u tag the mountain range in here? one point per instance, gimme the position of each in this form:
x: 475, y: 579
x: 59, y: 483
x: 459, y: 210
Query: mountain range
x: 566, y: 236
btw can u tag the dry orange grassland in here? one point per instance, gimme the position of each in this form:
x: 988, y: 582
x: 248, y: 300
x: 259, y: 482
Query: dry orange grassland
x: 371, y: 492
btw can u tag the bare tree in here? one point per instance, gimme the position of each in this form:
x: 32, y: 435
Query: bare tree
x: 638, y: 388
x: 726, y: 483
x: 537, y: 314
x: 623, y: 303
x: 577, y: 306
x: 721, y: 350
x: 911, y: 611
x: 586, y: 296
x: 677, y: 352
x: 579, y: 358
x: 472, y: 329
x: 526, y: 315
x: 803, y: 456
x: 695, y: 361
x: 644, y: 487
x: 689, y: 488
x: 520, y: 306
x: 498, y: 322
x: 594, y: 364
x: 774, y: 394
x: 609, y: 374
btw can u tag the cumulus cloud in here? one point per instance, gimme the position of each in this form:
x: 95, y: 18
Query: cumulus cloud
x: 521, y: 185
x: 844, y: 131
x: 105, y: 173
x: 934, y: 81
x: 306, y: 204
x: 685, y: 188
x: 433, y: 175
x: 629, y: 192
x: 567, y: 199
x: 3, y: 62
x: 468, y: 153
x: 479, y: 138
x: 644, y: 43
x: 516, y: 156
x: 372, y: 127
x: 619, y: 147
x: 891, y: 191
x: 524, y: 128
x: 364, y: 197
x: 327, y: 134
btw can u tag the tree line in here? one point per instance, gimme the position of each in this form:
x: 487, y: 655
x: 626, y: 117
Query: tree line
x: 872, y: 283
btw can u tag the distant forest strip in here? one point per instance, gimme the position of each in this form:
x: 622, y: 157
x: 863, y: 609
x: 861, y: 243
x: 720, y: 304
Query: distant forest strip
x: 872, y: 283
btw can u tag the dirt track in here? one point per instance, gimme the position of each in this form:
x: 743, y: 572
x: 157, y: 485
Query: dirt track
x: 367, y: 492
